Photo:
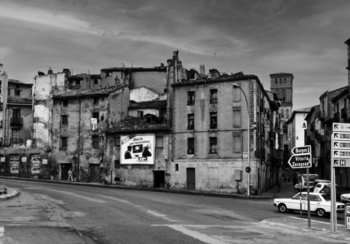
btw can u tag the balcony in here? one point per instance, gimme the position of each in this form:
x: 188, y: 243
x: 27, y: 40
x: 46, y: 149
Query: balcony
x: 321, y: 115
x: 74, y: 87
x: 344, y: 113
x: 16, y: 122
x: 336, y: 117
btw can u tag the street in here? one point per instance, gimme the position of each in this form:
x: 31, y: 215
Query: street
x: 62, y: 213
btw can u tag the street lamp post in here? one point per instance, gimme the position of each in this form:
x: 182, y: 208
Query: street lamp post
x: 248, y: 140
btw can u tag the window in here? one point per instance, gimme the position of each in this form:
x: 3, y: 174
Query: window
x: 236, y: 95
x: 237, y: 119
x: 17, y: 93
x: 176, y: 167
x: 65, y: 103
x: 64, y: 142
x: 117, y: 142
x: 95, y: 101
x: 96, y: 116
x: 16, y: 136
x: 191, y: 97
x: 190, y: 145
x: 139, y: 113
x: 95, y: 142
x: 9, y: 92
x: 213, y: 145
x: 16, y: 114
x: 213, y: 120
x: 96, y: 81
x: 237, y: 143
x: 190, y: 121
x: 64, y: 120
x: 213, y: 96
x: 159, y: 142
x: 77, y: 82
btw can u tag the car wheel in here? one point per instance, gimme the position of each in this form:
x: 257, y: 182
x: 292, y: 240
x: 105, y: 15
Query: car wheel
x: 320, y: 212
x: 282, y: 208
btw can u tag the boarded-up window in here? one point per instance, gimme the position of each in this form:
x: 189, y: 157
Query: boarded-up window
x: 236, y: 96
x: 237, y: 119
x: 237, y: 142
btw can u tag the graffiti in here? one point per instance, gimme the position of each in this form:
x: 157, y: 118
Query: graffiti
x: 35, y: 164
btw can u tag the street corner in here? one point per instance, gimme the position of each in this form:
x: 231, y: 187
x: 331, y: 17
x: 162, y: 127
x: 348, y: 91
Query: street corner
x: 10, y: 193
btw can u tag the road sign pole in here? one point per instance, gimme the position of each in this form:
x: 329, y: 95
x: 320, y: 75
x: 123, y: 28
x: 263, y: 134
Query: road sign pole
x: 333, y: 200
x: 308, y: 198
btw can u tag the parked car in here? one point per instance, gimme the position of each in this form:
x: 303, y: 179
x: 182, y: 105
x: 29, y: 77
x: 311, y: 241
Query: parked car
x: 325, y: 188
x: 345, y: 198
x: 302, y: 182
x: 319, y: 203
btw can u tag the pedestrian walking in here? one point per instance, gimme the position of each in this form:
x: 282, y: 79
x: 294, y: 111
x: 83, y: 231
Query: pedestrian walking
x: 70, y: 175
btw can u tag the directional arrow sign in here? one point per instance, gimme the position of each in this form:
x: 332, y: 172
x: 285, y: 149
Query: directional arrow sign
x: 301, y: 150
x: 300, y: 161
x: 341, y: 127
x: 341, y: 162
x: 341, y: 136
x: 341, y: 154
x: 341, y: 145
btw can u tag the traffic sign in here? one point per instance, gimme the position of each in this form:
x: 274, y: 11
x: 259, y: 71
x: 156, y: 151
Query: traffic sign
x: 341, y: 145
x: 341, y: 162
x: 301, y: 150
x: 300, y: 161
x: 341, y: 136
x: 341, y: 154
x: 341, y: 127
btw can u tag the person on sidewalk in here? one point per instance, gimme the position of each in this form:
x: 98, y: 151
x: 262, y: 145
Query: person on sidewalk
x: 70, y: 175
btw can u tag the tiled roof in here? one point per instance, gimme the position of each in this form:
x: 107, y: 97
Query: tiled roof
x: 156, y: 68
x: 149, y: 104
x: 86, y: 93
x: 137, y: 124
x: 19, y: 82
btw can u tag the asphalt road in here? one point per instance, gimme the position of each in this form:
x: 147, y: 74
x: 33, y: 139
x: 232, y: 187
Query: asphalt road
x: 59, y: 213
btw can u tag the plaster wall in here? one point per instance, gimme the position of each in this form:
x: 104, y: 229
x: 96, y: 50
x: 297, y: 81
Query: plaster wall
x: 155, y: 80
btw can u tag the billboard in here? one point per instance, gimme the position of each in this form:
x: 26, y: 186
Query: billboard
x: 35, y: 160
x: 137, y: 149
x: 14, y: 164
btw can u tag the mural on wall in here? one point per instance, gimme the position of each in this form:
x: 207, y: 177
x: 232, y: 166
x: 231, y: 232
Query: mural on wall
x: 35, y: 164
x: 14, y: 164
x: 137, y: 149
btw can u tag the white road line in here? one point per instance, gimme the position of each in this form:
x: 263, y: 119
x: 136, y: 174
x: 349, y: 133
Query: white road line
x: 80, y: 196
x: 195, y: 234
x: 315, y: 221
x: 2, y: 231
x: 159, y: 215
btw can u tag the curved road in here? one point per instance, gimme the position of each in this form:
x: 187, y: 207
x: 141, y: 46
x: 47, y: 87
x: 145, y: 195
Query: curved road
x: 62, y: 213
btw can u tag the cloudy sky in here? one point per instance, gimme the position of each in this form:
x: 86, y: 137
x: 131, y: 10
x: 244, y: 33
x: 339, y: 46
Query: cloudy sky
x: 305, y: 38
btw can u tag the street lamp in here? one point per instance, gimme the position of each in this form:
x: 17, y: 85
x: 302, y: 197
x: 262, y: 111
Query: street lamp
x: 237, y: 86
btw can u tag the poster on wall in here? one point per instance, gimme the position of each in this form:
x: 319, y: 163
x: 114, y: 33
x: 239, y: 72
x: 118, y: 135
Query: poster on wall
x: 35, y: 164
x: 14, y: 164
x: 137, y: 149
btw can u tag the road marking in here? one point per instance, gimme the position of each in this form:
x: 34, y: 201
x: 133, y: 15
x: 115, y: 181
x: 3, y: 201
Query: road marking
x: 2, y: 231
x: 159, y: 215
x: 80, y: 196
x: 198, y: 235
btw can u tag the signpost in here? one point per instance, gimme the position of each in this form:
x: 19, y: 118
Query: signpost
x: 340, y: 157
x: 301, y: 159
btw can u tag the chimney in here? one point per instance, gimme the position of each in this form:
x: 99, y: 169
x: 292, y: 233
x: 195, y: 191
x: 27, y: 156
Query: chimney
x: 202, y: 69
x: 50, y: 72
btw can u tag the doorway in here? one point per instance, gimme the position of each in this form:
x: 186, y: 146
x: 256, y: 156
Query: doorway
x: 159, y: 179
x: 94, y: 172
x: 191, y: 179
x: 64, y: 171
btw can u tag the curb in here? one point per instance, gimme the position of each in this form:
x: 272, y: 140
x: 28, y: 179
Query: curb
x: 209, y: 194
x: 8, y: 196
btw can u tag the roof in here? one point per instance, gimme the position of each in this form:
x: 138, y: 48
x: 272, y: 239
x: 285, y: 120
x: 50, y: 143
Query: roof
x: 86, y: 93
x: 135, y: 69
x: 234, y: 77
x: 300, y: 111
x: 316, y: 107
x: 19, y: 82
x: 341, y: 94
x: 281, y: 74
x: 149, y: 104
x: 137, y: 124
x: 334, y: 91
